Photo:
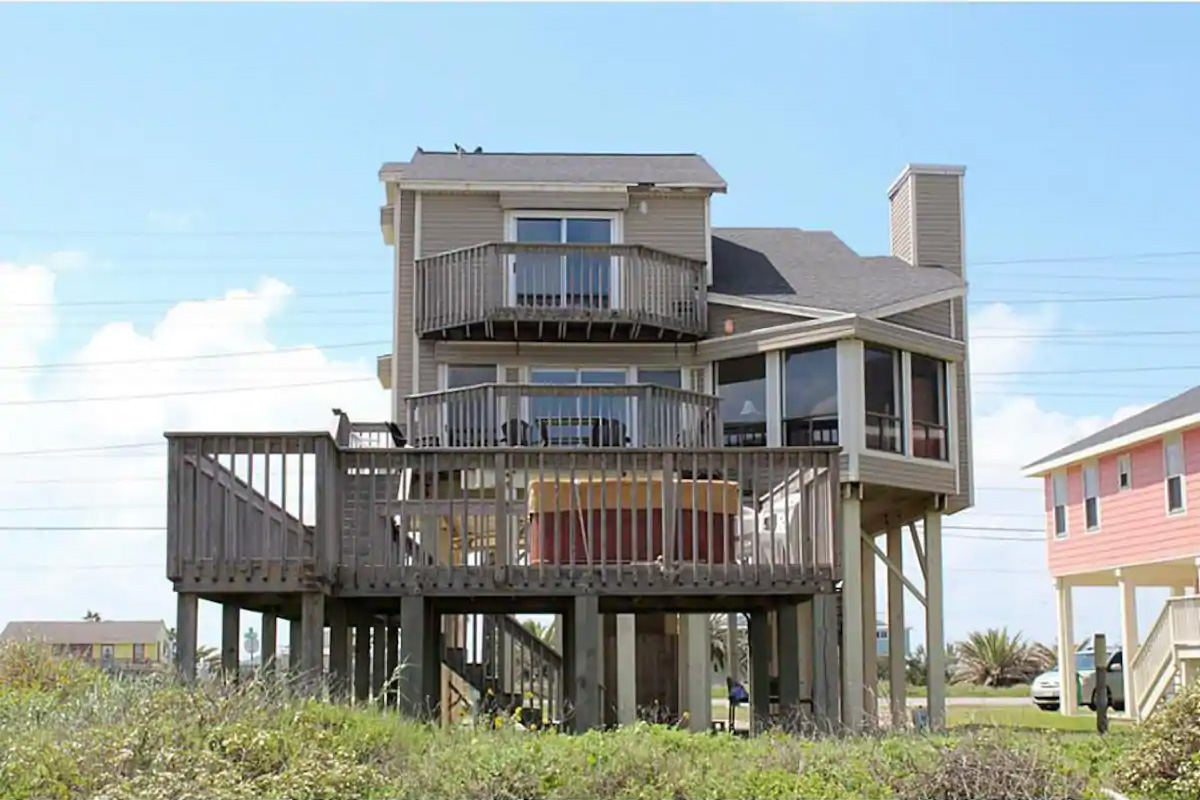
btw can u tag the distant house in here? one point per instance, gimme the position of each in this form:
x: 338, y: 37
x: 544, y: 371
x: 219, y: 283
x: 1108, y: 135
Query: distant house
x: 118, y: 644
x: 881, y: 639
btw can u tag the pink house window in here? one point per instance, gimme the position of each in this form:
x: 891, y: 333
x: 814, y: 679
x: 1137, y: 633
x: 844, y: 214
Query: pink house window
x: 1173, y: 458
x: 1059, y: 489
x: 1091, y: 496
x: 1124, y: 473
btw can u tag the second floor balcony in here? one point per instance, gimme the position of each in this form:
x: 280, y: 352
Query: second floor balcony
x: 560, y: 292
x: 570, y: 415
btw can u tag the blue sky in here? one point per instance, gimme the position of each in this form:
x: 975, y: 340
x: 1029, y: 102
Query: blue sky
x: 185, y: 150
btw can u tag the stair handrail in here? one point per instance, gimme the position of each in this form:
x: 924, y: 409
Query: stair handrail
x: 1151, y: 657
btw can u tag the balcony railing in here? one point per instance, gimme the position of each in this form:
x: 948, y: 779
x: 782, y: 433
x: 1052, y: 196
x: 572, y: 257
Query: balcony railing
x: 545, y: 415
x: 476, y: 290
x: 929, y: 440
x: 297, y: 511
x: 884, y: 432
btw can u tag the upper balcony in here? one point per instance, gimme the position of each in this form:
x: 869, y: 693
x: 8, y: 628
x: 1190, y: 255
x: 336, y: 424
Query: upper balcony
x: 522, y: 291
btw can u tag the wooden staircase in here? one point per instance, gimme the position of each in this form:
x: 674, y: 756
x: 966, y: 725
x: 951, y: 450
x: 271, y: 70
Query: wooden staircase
x: 1169, y: 658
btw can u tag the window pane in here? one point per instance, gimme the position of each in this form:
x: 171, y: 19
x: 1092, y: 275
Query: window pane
x: 1060, y: 488
x: 539, y: 275
x: 469, y: 419
x: 589, y: 231
x: 1060, y: 519
x: 1175, y: 457
x: 1092, y: 513
x: 588, y: 274
x: 742, y: 387
x: 1091, y: 482
x: 810, y: 401
x: 1175, y: 493
x: 880, y: 373
x: 672, y: 378
x: 459, y: 375
x: 928, y: 390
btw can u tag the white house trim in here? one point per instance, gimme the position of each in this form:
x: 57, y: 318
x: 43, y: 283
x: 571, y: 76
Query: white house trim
x: 416, y: 341
x: 913, y: 303
x: 768, y: 305
x: 1039, y: 468
x: 925, y: 169
x: 708, y: 262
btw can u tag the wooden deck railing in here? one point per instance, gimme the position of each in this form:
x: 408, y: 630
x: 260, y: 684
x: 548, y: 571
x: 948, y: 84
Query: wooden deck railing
x: 513, y: 520
x: 524, y: 282
x: 244, y: 511
x: 280, y: 512
x: 541, y: 415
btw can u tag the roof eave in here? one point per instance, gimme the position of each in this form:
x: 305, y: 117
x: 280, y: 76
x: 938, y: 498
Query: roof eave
x: 1044, y: 466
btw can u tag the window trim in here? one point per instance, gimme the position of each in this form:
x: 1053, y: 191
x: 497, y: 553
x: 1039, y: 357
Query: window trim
x: 899, y: 395
x: 1055, y: 505
x: 784, y: 419
x: 1125, y: 468
x: 944, y: 402
x: 1094, y: 466
x: 617, y: 218
x: 1176, y: 439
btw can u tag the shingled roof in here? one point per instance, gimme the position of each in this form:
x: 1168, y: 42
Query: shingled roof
x: 1185, y: 404
x: 816, y: 269
x: 659, y: 169
x: 85, y: 632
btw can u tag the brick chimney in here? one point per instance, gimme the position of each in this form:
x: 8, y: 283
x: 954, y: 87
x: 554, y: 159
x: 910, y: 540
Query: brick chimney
x: 927, y: 216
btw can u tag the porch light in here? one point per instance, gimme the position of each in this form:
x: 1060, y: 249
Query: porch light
x: 728, y: 326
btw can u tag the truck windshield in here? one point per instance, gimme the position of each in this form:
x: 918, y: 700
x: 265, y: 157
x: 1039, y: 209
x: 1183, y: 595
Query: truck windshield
x: 1085, y: 662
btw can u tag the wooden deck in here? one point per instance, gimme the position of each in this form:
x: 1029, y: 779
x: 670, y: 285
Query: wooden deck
x: 297, y: 512
x: 571, y: 292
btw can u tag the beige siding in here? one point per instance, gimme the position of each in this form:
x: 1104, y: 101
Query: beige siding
x: 905, y: 473
x: 451, y: 221
x: 555, y: 201
x: 937, y: 200
x: 672, y: 224
x: 404, y: 296
x: 930, y: 319
x: 901, y: 217
x: 745, y: 319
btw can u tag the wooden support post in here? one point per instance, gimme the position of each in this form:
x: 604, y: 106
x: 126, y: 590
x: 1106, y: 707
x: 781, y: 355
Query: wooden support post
x: 230, y: 631
x: 586, y: 625
x: 418, y: 679
x: 1129, y: 636
x: 1067, y: 699
x: 897, y: 668
x: 339, y: 650
x: 295, y: 637
x: 270, y: 635
x: 311, y: 662
x: 187, y: 619
x: 827, y: 684
x: 393, y: 661
x: 732, y: 667
x: 626, y: 669
x: 852, y: 609
x: 870, y: 638
x: 935, y: 621
x: 362, y: 662
x: 788, y: 633
x: 1100, y: 646
x: 760, y: 670
x: 378, y: 662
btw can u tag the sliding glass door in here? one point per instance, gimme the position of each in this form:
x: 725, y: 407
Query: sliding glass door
x: 563, y: 277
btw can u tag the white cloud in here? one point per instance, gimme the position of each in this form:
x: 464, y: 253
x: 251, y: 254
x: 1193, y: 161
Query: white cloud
x: 126, y: 487
x: 173, y: 221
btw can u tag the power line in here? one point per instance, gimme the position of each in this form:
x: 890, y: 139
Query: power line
x: 162, y: 395
x: 251, y: 297
x: 1084, y: 259
x: 202, y: 356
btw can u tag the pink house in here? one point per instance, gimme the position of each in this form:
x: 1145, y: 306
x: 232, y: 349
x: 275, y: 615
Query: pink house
x: 1123, y: 509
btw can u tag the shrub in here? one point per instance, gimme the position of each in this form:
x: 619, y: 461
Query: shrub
x: 1165, y: 762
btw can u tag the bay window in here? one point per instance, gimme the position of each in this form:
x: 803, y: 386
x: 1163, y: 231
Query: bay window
x: 742, y: 387
x: 810, y: 396
x: 882, y: 399
x: 929, y: 404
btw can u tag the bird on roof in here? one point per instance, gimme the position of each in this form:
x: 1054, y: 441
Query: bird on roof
x: 458, y: 148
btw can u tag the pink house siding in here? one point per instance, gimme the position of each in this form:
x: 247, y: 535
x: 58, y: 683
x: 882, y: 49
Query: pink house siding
x: 1134, y: 525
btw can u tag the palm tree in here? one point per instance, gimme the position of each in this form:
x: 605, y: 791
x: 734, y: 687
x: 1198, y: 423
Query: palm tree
x: 542, y: 632
x: 208, y: 656
x: 996, y: 658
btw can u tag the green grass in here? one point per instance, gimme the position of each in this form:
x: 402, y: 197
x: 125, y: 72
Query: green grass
x: 952, y: 690
x: 1031, y: 719
x: 67, y: 731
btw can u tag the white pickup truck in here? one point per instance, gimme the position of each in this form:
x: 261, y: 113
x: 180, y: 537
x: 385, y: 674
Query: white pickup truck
x: 1046, y: 688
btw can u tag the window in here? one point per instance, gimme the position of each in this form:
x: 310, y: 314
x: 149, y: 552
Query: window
x: 929, y: 408
x: 563, y: 277
x: 139, y: 653
x: 1091, y: 496
x: 881, y: 375
x: 1058, y: 488
x: 742, y: 387
x: 1124, y: 473
x: 469, y: 413
x: 1173, y: 458
x: 569, y: 418
x: 671, y: 378
x: 661, y: 415
x: 810, y: 396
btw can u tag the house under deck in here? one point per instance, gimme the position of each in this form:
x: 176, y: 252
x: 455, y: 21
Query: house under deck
x: 419, y: 556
